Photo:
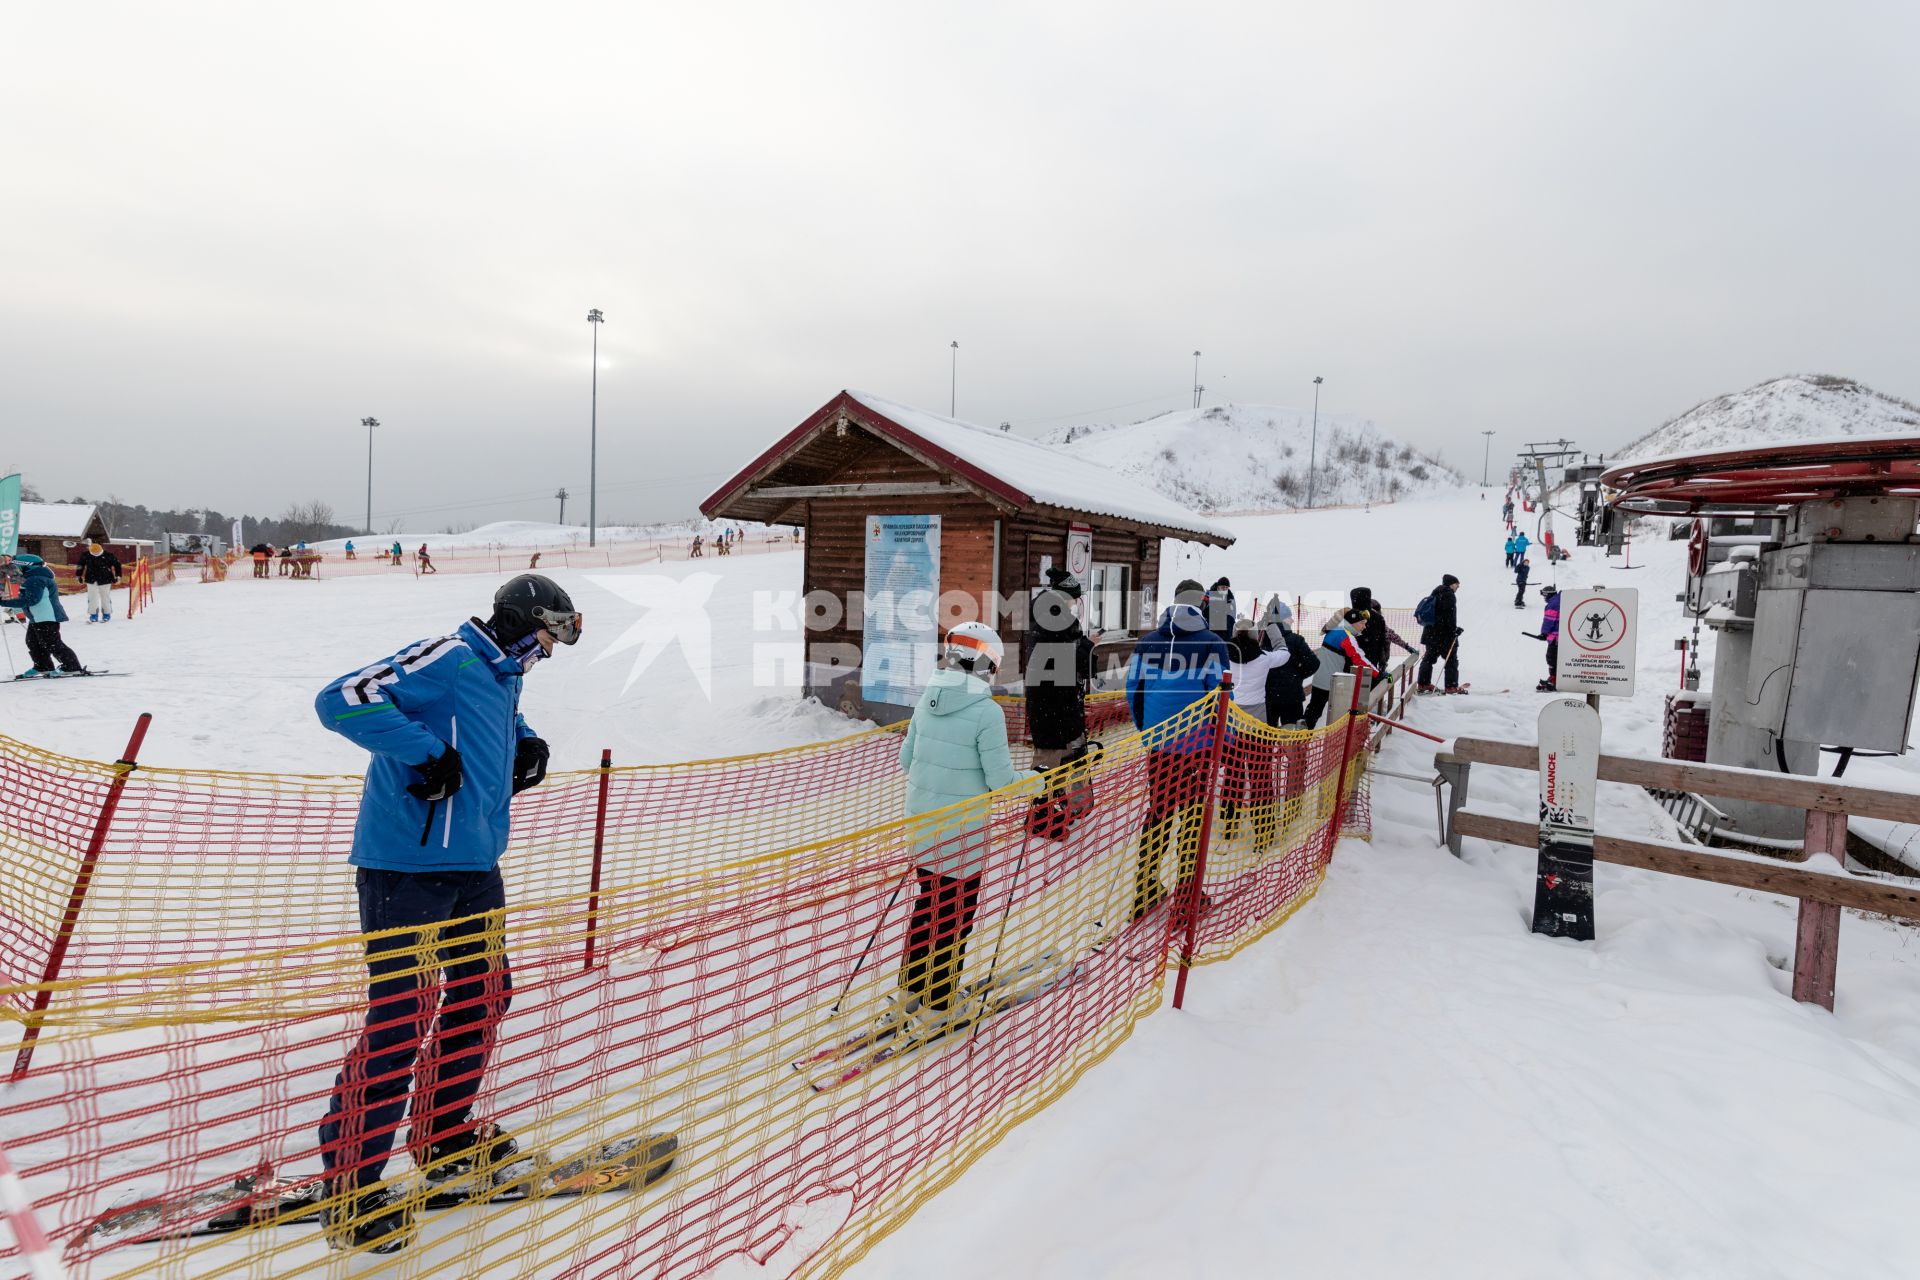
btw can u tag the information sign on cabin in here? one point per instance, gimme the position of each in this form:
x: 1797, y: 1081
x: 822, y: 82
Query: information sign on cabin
x: 966, y: 515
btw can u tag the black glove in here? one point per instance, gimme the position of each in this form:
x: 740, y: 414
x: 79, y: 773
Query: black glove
x: 1459, y: 631
x: 439, y: 777
x: 529, y: 764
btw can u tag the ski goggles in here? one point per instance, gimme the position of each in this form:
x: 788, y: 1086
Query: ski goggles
x: 563, y: 624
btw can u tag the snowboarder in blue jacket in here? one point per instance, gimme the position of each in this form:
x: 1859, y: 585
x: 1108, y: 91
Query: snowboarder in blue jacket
x: 1173, y: 665
x: 39, y: 599
x: 450, y: 750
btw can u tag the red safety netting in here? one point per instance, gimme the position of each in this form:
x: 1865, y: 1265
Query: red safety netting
x: 831, y: 1009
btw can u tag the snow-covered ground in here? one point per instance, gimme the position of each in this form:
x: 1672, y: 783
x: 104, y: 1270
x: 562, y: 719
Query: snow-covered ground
x: 1404, y: 1081
x: 230, y: 669
x: 1401, y: 1081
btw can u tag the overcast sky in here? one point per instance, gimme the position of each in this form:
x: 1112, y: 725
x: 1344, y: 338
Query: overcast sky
x: 232, y: 231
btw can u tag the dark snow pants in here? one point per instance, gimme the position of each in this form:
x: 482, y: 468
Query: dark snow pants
x: 44, y: 646
x: 1435, y: 653
x: 452, y: 982
x: 937, y: 935
x: 1177, y: 784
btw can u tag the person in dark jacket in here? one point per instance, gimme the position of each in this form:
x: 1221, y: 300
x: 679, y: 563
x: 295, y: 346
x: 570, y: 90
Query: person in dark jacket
x: 99, y: 570
x: 1441, y: 638
x: 1520, y: 583
x: 38, y: 597
x: 1376, y: 637
x: 433, y: 823
x: 1220, y: 609
x: 1339, y: 653
x: 1058, y: 673
x: 1286, y: 694
x: 1175, y: 664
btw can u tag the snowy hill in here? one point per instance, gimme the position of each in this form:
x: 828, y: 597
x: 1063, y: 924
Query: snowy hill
x: 1254, y: 457
x: 1796, y: 407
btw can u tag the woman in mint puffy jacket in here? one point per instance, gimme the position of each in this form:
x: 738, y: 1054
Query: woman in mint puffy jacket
x: 955, y: 752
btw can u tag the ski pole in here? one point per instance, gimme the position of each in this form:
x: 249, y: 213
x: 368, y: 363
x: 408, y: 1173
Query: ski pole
x: 871, y: 939
x: 1013, y: 893
x: 11, y: 669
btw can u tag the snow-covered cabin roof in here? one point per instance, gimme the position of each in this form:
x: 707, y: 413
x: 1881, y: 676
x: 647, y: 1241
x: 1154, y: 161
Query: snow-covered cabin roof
x: 1017, y: 472
x: 56, y: 519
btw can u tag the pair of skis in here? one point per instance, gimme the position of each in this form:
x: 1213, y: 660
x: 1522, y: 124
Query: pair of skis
x: 254, y: 1201
x: 64, y: 675
x: 837, y: 1064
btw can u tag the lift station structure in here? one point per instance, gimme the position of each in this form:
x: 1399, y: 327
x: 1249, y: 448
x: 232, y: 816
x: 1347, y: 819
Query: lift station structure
x: 1816, y: 619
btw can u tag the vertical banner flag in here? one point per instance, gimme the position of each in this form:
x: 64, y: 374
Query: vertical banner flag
x: 901, y: 636
x: 9, y: 514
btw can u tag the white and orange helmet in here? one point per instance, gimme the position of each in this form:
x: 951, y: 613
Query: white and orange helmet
x: 970, y: 642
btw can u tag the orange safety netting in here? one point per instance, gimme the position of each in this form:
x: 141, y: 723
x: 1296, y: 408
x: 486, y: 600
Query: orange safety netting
x: 832, y: 1009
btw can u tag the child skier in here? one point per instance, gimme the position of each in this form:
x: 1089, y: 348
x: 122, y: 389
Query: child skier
x: 1520, y: 584
x: 433, y: 824
x: 38, y: 597
x: 1340, y: 653
x: 955, y: 751
x: 1550, y: 632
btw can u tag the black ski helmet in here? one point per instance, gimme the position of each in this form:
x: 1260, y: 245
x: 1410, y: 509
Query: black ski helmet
x: 529, y: 602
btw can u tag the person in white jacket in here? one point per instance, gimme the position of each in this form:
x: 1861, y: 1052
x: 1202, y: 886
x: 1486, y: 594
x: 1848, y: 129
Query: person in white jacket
x: 1251, y: 755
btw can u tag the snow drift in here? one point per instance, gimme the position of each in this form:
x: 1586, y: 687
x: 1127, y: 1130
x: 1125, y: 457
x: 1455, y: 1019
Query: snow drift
x: 1237, y: 457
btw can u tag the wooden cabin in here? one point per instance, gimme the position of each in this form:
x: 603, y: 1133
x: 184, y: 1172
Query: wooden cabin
x: 900, y: 504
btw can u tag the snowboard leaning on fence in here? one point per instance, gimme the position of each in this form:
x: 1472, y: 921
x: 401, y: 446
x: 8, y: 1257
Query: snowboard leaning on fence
x: 1569, y: 769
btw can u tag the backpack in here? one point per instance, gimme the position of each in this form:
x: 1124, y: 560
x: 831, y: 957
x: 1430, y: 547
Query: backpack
x: 1304, y: 661
x: 1424, y: 612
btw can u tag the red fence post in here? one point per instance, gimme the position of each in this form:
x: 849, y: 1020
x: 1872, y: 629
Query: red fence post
x: 1346, y: 757
x: 1816, y: 951
x: 1189, y: 895
x: 82, y: 880
x: 599, y: 847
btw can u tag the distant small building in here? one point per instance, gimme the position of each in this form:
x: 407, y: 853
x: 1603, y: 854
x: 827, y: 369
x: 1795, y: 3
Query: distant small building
x: 58, y: 532
x: 902, y: 505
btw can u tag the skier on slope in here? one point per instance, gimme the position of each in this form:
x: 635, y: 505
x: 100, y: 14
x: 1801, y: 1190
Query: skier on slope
x: 433, y: 823
x: 1440, y: 638
x: 1177, y: 662
x: 954, y: 751
x: 1340, y: 652
x: 99, y: 569
x: 1520, y: 545
x: 1550, y: 632
x: 1512, y: 542
x: 38, y: 597
x: 1520, y: 583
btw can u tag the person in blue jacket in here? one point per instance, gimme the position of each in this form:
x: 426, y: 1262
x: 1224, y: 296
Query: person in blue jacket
x: 1520, y: 545
x: 450, y: 750
x: 1172, y: 665
x: 38, y: 598
x: 955, y: 753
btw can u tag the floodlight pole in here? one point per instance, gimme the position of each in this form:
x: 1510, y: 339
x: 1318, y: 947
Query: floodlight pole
x: 1313, y: 441
x: 1196, y: 379
x: 953, y: 380
x: 595, y: 319
x: 369, y: 424
x: 1484, y: 457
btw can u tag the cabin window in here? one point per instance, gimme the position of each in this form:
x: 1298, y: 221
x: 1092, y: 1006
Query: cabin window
x: 1107, y: 597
